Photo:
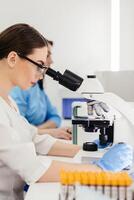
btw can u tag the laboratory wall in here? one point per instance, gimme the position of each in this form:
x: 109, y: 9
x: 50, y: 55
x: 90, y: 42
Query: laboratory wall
x: 127, y: 34
x: 80, y: 31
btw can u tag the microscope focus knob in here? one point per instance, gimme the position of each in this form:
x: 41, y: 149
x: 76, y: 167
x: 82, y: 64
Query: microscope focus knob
x: 90, y: 146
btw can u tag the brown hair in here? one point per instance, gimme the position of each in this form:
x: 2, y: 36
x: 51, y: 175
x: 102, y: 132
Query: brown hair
x: 21, y: 38
x: 50, y: 42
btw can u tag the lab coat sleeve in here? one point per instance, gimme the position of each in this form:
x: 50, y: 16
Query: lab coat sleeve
x: 20, y: 156
x: 43, y: 143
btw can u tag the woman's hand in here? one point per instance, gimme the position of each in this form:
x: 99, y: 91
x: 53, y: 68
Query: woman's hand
x: 61, y: 133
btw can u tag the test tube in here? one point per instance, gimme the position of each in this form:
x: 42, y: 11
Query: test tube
x: 118, y: 192
x: 125, y: 193
x: 110, y: 192
x: 59, y: 196
x: 132, y: 195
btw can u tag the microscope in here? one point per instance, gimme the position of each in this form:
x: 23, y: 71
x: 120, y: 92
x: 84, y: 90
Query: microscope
x: 90, y: 125
x: 87, y: 128
x: 119, y: 129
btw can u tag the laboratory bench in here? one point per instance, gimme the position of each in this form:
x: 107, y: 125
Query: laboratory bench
x: 50, y: 191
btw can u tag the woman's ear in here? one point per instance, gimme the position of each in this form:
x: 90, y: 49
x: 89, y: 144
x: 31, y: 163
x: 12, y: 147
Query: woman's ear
x: 12, y: 59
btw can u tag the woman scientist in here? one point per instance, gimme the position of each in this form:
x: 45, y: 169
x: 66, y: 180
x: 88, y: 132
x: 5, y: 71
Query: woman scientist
x: 23, y: 52
x: 35, y: 105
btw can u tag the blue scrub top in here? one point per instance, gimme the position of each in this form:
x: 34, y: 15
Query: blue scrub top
x: 35, y: 105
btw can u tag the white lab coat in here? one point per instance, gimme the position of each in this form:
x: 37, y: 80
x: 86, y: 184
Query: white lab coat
x: 22, y: 153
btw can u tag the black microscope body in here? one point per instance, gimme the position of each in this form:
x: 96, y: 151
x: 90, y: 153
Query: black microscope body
x: 106, y: 129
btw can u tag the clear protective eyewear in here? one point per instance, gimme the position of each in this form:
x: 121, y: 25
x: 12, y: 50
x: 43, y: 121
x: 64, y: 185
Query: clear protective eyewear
x: 41, y: 68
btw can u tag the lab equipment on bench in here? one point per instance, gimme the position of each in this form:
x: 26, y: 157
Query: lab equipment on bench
x: 122, y: 124
x: 87, y: 128
x: 95, y: 185
x: 74, y: 82
x: 97, y: 106
x: 88, y: 85
x: 120, y: 121
x: 123, y: 117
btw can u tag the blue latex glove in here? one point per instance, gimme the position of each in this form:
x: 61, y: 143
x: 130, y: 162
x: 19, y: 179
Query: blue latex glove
x: 119, y: 157
x: 98, y: 107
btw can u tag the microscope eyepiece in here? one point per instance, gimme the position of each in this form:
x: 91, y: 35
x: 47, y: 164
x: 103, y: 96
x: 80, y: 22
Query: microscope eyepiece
x: 68, y: 79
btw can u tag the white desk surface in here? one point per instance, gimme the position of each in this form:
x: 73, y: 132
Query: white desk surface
x: 50, y: 191
x: 43, y: 191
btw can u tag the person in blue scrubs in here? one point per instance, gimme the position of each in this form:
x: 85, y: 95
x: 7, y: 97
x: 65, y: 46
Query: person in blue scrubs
x: 36, y: 107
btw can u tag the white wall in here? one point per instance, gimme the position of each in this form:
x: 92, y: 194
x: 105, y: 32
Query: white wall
x: 127, y: 34
x: 80, y: 30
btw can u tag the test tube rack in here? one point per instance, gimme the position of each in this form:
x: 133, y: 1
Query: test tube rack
x: 94, y: 185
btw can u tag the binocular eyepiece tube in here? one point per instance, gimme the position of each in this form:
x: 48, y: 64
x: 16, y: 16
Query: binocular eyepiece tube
x: 68, y: 79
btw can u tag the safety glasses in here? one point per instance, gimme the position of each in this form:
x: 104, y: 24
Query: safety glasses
x: 40, y: 67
